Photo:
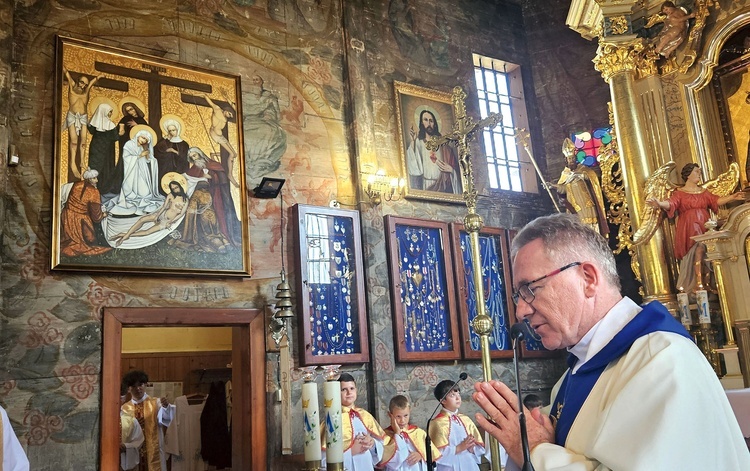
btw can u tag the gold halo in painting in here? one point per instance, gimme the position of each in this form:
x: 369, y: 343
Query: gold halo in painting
x: 174, y: 117
x: 418, y: 112
x: 98, y: 100
x: 173, y: 177
x: 135, y: 101
x: 143, y: 127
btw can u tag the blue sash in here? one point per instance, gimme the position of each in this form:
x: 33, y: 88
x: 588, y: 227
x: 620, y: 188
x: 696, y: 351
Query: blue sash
x: 576, y: 388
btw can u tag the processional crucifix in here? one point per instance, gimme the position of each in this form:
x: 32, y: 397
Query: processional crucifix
x: 463, y: 132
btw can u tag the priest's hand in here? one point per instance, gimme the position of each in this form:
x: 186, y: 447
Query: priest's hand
x: 501, y: 420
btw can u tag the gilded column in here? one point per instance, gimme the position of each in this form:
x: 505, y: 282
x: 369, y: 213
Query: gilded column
x: 618, y: 63
x: 725, y: 315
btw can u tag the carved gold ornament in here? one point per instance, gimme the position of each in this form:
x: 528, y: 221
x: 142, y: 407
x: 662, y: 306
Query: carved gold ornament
x: 618, y: 24
x: 612, y: 59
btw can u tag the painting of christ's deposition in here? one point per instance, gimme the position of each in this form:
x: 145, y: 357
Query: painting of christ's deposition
x: 148, y: 176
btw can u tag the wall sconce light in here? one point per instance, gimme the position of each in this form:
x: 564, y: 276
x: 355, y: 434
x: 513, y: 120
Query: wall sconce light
x: 380, y: 186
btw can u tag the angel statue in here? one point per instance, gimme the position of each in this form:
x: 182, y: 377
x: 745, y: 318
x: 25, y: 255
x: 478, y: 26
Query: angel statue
x: 579, y: 184
x: 691, y: 202
x: 675, y: 28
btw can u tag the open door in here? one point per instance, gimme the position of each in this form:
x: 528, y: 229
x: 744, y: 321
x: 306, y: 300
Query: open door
x: 248, y: 382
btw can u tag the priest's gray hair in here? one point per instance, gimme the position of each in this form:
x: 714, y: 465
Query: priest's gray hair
x: 566, y: 240
x: 90, y: 173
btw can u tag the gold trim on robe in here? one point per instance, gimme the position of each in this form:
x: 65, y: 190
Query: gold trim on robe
x: 440, y: 429
x: 146, y: 413
x: 416, y: 436
x: 584, y: 193
x: 372, y: 426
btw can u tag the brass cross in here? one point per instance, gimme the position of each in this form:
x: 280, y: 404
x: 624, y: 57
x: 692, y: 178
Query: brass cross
x: 463, y: 132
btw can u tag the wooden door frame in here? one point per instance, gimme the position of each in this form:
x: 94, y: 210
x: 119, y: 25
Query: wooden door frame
x: 249, y: 439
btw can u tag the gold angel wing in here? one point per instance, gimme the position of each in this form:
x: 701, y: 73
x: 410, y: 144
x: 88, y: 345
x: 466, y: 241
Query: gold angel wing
x: 654, y: 19
x: 660, y: 187
x: 724, y: 184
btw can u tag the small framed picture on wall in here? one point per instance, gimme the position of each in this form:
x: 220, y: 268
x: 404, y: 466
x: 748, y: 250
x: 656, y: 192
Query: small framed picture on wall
x: 495, y: 274
x: 422, y: 290
x: 422, y: 114
x: 330, y: 286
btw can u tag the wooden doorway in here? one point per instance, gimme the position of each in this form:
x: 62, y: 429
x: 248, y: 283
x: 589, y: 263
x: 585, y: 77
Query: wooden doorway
x: 248, y: 383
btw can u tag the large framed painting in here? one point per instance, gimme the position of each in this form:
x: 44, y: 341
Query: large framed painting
x: 422, y: 114
x: 147, y: 173
x: 330, y: 286
x: 422, y: 290
x: 731, y: 83
x: 495, y: 272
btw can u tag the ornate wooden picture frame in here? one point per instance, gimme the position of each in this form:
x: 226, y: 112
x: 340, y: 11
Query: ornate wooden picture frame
x: 130, y: 193
x: 493, y: 247
x: 422, y: 290
x: 422, y: 113
x: 330, y: 286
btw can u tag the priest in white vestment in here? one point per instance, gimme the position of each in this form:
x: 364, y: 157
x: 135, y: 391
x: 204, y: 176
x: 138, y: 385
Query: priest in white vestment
x: 638, y: 394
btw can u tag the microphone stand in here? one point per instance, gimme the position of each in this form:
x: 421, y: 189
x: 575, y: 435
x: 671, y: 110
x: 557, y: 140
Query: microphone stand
x: 527, y: 466
x: 427, y: 440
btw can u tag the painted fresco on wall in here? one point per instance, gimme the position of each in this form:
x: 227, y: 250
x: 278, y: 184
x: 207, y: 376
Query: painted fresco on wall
x: 147, y: 174
x: 424, y: 114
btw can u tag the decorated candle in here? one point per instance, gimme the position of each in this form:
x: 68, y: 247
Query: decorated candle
x: 312, y: 421
x: 701, y: 298
x: 334, y: 437
x: 684, y: 304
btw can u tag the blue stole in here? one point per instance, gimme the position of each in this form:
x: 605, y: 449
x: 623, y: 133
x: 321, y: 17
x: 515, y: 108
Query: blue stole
x: 575, y: 388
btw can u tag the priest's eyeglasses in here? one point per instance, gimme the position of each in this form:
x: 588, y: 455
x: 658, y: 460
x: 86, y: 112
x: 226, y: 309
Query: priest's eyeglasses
x: 527, y: 294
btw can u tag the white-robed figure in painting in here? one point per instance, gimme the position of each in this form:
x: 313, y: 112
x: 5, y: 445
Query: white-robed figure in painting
x: 139, y: 194
x: 142, y: 231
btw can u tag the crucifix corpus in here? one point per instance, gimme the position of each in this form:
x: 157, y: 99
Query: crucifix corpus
x: 463, y: 132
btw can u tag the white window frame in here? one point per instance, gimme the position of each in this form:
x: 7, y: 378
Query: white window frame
x: 500, y: 89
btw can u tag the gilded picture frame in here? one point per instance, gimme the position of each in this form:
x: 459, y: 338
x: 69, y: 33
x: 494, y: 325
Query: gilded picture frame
x: 731, y: 82
x: 148, y: 167
x: 423, y: 113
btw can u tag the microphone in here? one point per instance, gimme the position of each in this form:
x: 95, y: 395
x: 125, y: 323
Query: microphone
x: 519, y: 332
x: 427, y: 441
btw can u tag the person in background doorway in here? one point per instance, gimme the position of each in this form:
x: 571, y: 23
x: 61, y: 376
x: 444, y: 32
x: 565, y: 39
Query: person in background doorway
x: 153, y: 415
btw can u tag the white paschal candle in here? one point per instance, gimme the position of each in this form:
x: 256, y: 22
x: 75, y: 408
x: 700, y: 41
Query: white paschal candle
x: 701, y: 298
x: 334, y: 436
x: 684, y: 304
x: 312, y: 421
